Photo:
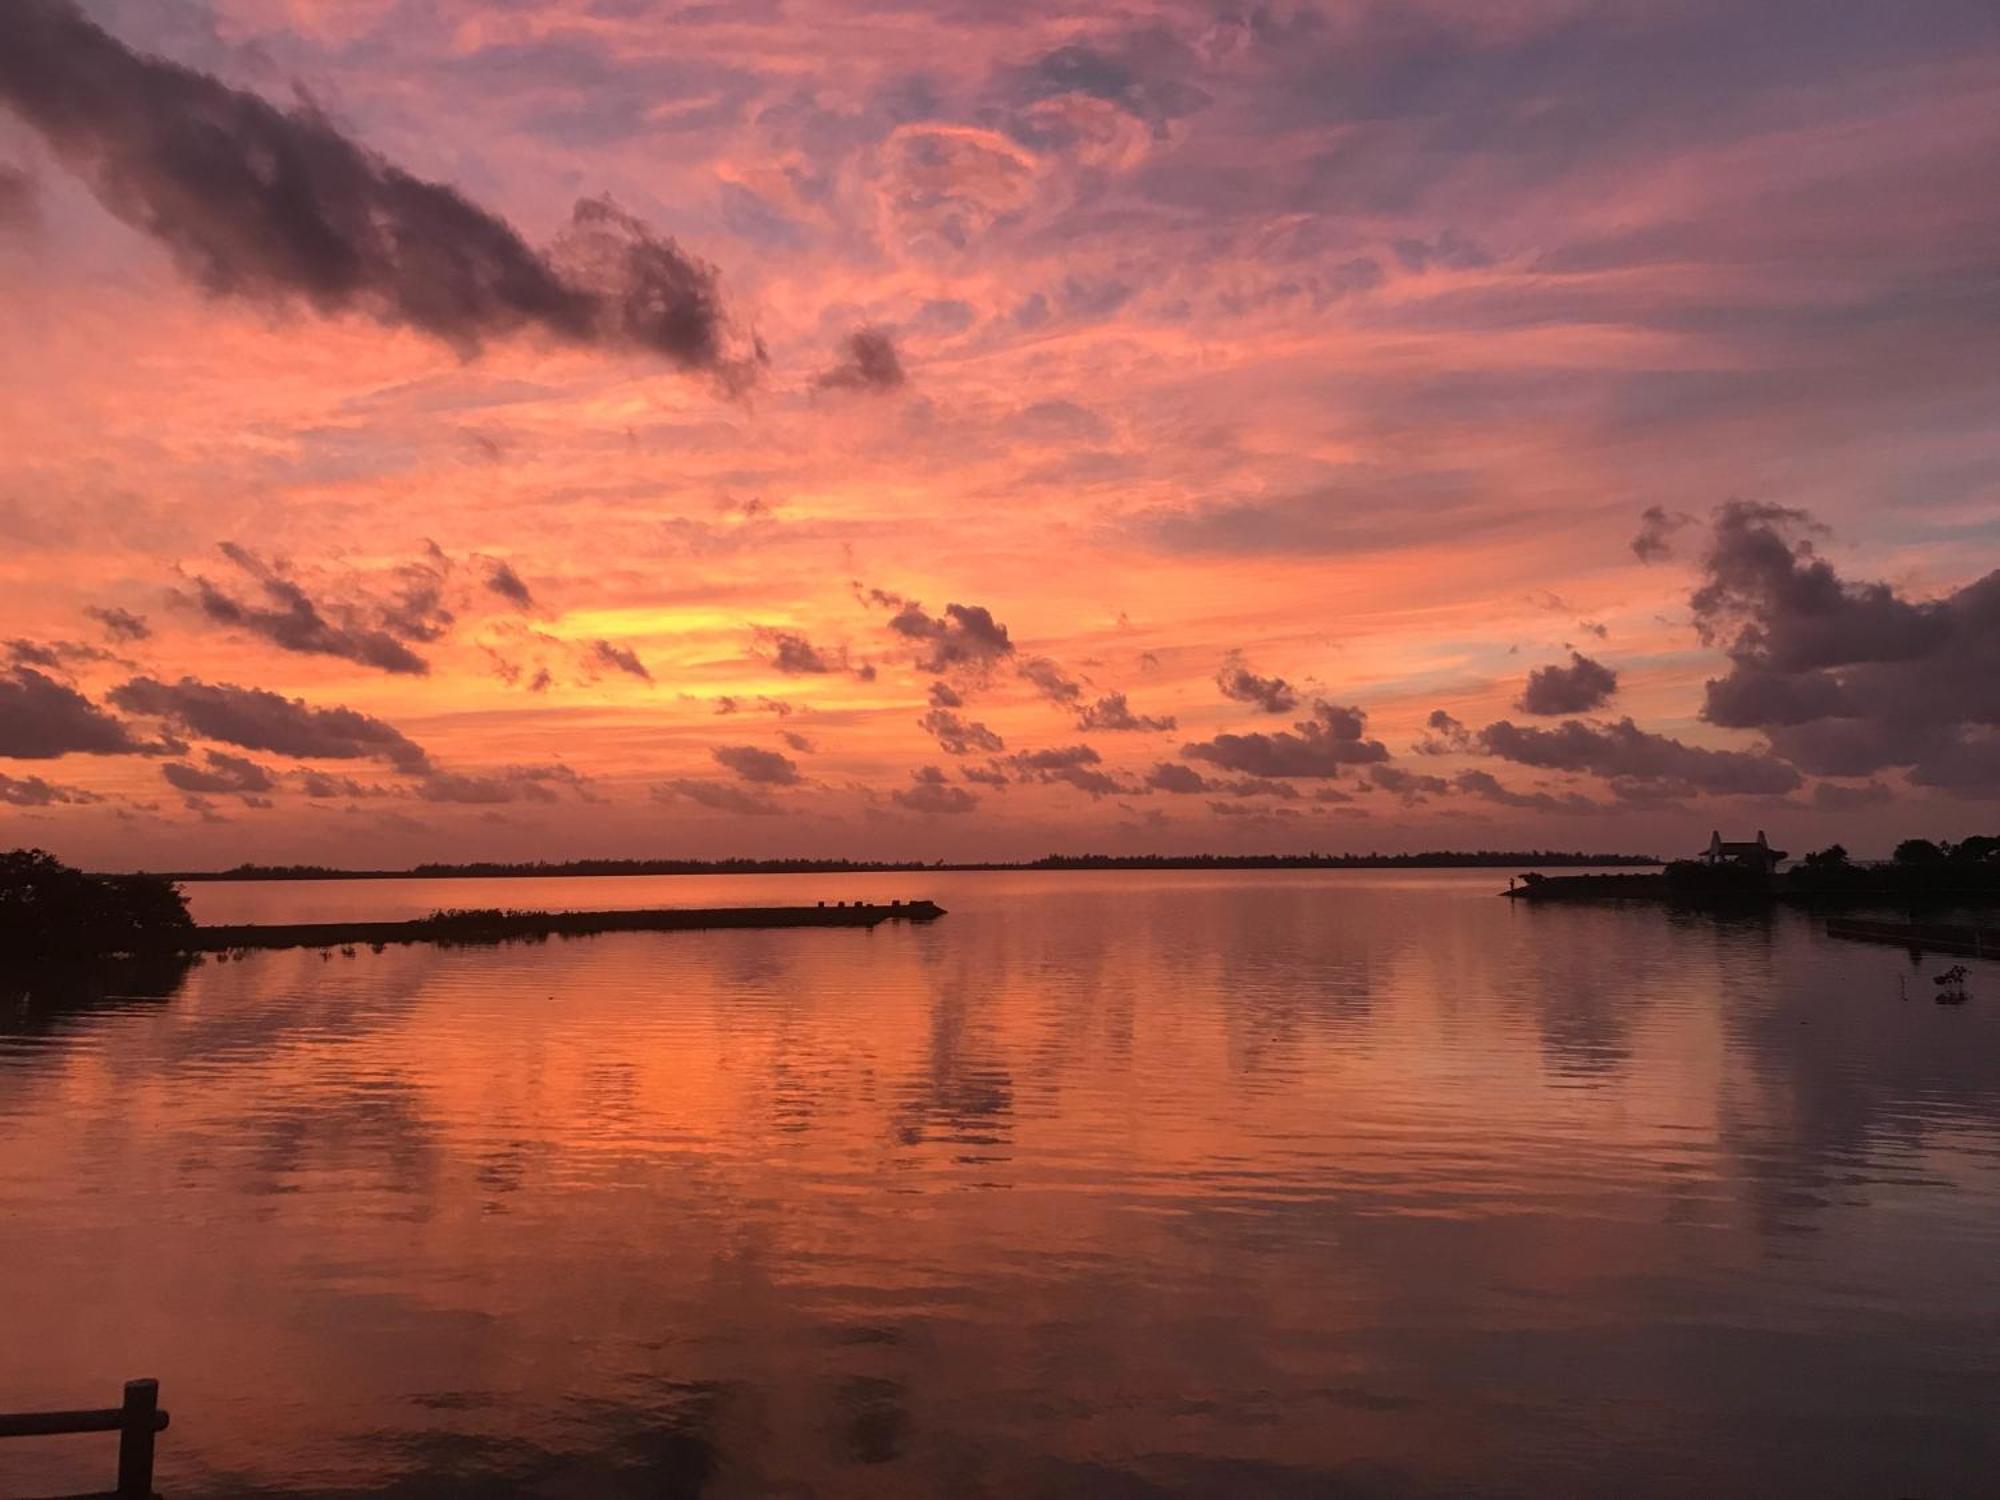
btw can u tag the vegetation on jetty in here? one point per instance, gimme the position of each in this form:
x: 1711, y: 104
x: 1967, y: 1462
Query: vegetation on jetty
x: 1922, y: 874
x: 49, y: 910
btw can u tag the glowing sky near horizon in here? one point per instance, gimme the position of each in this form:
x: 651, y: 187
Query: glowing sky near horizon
x: 1273, y: 390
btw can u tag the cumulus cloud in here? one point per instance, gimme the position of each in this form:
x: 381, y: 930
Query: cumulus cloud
x: 1050, y: 680
x: 944, y: 695
x: 1070, y: 765
x: 1444, y: 735
x: 792, y: 653
x: 760, y: 767
x: 1412, y: 786
x: 729, y: 703
x: 55, y: 656
x: 33, y: 791
x: 617, y: 659
x: 868, y: 362
x: 1487, y: 787
x: 120, y: 624
x: 1847, y: 679
x: 291, y: 619
x: 259, y: 720
x: 929, y: 792
x: 508, y: 784
x: 1174, y: 778
x: 41, y: 719
x: 224, y: 773
x: 959, y: 736
x: 322, y: 787
x: 504, y: 581
x: 1577, y: 688
x: 1656, y: 533
x: 1273, y: 695
x: 1635, y: 761
x: 965, y: 637
x: 716, y: 796
x: 1114, y: 713
x: 262, y: 202
x: 1333, y: 739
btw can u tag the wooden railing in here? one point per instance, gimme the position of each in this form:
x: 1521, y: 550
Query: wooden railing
x: 135, y: 1422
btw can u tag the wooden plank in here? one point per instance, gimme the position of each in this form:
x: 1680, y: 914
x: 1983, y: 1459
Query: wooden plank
x: 60, y: 1423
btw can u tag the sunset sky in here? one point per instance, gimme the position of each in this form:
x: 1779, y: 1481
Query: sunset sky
x: 443, y: 429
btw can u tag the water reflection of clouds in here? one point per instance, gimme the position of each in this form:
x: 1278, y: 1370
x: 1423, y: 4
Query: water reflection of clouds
x: 1304, y: 1191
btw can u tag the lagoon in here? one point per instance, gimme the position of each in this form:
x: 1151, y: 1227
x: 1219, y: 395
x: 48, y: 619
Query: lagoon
x: 1108, y: 1183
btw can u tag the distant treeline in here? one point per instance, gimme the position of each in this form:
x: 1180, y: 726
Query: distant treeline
x: 1429, y: 859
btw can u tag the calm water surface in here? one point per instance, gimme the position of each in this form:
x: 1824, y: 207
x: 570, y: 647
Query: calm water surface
x: 1289, y: 1183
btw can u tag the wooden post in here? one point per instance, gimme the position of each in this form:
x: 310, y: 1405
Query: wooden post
x: 139, y: 1421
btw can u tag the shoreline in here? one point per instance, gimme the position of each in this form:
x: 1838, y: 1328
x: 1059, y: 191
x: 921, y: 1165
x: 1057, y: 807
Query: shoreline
x: 596, y: 869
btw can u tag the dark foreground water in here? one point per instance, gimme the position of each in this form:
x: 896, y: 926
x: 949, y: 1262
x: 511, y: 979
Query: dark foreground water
x: 1288, y: 1184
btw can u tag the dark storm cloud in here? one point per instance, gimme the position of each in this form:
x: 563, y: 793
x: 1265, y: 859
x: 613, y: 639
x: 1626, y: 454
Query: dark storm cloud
x: 120, y: 624
x: 618, y: 659
x: 1656, y: 533
x: 965, y: 637
x: 1769, y: 600
x: 32, y: 791
x: 1635, y: 760
x: 1324, y: 745
x: 1114, y: 713
x: 1574, y: 689
x: 943, y: 695
x: 1273, y: 695
x: 930, y: 793
x: 41, y: 719
x: 760, y: 767
x: 959, y: 736
x: 293, y: 620
x: 225, y: 773
x: 1846, y: 678
x: 504, y: 581
x: 259, y: 720
x: 717, y: 796
x: 868, y: 362
x: 258, y: 201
